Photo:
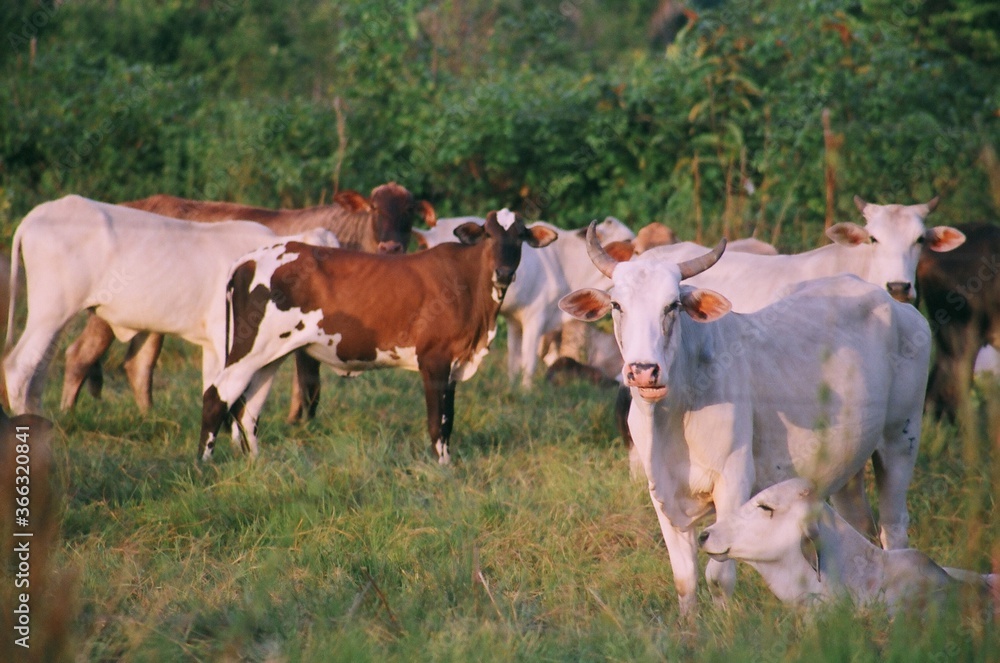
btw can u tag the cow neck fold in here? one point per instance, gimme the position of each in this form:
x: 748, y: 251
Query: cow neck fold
x: 847, y: 260
x: 695, y: 368
x: 354, y: 230
x: 478, y: 260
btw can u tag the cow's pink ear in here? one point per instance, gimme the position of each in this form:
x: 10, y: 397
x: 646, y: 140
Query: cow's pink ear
x: 621, y: 251
x: 352, y: 201
x: 588, y: 304
x: 539, y: 236
x: 943, y: 238
x: 847, y: 234
x: 704, y: 305
x: 470, y: 233
x: 427, y: 213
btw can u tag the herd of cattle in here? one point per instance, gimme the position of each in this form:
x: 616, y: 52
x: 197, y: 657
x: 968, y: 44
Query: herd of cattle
x: 742, y: 370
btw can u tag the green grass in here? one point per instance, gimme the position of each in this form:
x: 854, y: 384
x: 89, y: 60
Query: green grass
x: 346, y: 541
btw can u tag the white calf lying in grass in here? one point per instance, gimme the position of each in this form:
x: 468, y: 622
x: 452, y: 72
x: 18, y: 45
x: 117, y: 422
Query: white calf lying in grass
x: 807, y: 553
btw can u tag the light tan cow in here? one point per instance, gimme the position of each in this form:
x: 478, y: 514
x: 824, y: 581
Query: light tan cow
x: 139, y: 272
x: 807, y: 553
x: 724, y: 404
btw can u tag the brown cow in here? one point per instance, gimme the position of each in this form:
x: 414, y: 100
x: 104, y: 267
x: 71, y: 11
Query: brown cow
x: 434, y: 312
x: 961, y: 290
x: 381, y: 223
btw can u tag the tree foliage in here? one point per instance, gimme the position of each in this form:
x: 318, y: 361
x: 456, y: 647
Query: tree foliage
x: 561, y: 109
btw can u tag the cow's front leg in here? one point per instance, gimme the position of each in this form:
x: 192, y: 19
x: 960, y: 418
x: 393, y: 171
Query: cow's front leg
x: 851, y: 502
x: 217, y: 402
x: 247, y: 411
x: 732, y: 488
x: 305, y: 388
x: 439, y: 394
x: 83, y: 361
x: 952, y: 371
x: 683, y: 559
x: 143, y: 351
x: 531, y: 342
x: 894, y: 463
x: 514, y: 348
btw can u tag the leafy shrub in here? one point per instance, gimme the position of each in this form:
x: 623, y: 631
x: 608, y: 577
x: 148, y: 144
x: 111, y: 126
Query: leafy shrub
x: 558, y: 109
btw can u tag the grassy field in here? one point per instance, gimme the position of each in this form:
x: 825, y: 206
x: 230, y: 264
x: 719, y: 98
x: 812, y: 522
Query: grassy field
x: 346, y: 541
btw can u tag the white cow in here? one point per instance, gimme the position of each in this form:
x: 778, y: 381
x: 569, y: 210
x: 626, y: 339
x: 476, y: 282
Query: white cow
x: 809, y: 386
x: 751, y: 245
x: 531, y: 305
x: 884, y: 252
x: 602, y: 348
x: 808, y: 554
x: 138, y: 271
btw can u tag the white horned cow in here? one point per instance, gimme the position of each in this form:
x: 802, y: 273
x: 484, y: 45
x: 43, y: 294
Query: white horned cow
x: 726, y: 404
x: 884, y: 252
x: 807, y: 553
x: 137, y: 271
x: 531, y: 306
x: 604, y: 361
x: 433, y: 311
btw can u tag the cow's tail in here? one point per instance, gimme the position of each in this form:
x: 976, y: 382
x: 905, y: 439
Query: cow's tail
x: 230, y: 323
x: 15, y: 275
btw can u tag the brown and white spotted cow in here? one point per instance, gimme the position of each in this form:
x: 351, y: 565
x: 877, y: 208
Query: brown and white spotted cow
x: 381, y: 223
x: 434, y: 312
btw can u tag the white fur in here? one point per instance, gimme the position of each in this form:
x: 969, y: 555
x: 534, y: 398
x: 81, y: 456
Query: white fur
x: 807, y: 553
x: 751, y: 281
x: 809, y: 386
x: 506, y: 218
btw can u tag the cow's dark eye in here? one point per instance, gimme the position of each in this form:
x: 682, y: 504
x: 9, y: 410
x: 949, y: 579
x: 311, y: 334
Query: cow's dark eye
x: 670, y: 308
x: 768, y: 510
x: 920, y: 240
x: 615, y: 306
x: 873, y: 240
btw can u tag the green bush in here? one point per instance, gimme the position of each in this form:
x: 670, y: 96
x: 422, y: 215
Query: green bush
x: 558, y: 109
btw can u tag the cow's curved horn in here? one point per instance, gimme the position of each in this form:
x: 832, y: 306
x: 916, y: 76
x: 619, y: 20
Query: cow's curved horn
x: 698, y: 265
x: 602, y: 261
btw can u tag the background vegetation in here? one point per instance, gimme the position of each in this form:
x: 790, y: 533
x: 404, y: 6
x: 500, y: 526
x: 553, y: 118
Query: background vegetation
x: 345, y: 541
x: 564, y: 109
